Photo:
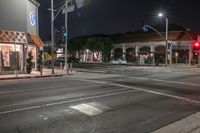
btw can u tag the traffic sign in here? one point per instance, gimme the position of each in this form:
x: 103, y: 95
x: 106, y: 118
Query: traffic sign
x: 68, y: 9
x: 145, y: 29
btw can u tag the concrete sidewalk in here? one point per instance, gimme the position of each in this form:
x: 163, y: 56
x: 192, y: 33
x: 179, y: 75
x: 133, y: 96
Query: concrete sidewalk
x: 190, y: 124
x: 37, y: 74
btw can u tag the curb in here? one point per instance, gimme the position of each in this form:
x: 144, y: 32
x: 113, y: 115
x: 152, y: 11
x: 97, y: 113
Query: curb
x: 28, y: 77
x: 189, y: 124
x: 88, y: 71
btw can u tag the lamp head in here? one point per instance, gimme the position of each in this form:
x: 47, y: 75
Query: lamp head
x: 160, y: 15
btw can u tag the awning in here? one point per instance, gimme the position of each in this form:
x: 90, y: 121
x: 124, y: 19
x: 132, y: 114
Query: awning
x: 7, y: 36
x: 33, y: 39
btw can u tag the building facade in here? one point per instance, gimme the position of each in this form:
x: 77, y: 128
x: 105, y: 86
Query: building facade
x: 150, y: 48
x: 19, y: 33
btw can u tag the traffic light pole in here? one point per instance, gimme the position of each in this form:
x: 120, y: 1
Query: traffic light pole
x: 66, y: 66
x: 199, y: 57
x: 52, y: 37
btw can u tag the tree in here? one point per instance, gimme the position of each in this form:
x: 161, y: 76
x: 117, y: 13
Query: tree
x: 29, y: 63
x: 75, y: 44
x: 106, y: 49
x: 100, y: 44
x: 93, y: 43
x: 39, y: 61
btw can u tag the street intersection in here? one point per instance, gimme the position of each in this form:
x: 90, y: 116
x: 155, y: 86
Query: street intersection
x: 103, y: 99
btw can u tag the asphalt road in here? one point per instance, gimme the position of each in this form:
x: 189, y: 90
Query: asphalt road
x: 100, y: 99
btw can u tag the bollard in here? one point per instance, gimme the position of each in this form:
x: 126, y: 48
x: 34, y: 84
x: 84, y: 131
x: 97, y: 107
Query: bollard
x: 61, y: 65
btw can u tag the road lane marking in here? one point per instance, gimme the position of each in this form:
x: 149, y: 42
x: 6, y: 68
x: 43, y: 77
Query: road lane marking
x: 144, y: 90
x: 19, y: 109
x: 134, y: 89
x: 34, y: 89
x: 68, y: 111
x: 67, y: 101
x: 63, y: 98
x: 27, y: 90
x: 91, y: 109
x: 100, y: 106
x: 167, y: 81
x: 87, y: 109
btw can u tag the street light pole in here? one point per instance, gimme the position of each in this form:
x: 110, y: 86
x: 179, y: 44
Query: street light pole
x: 166, y: 52
x: 66, y: 66
x: 166, y: 39
x: 52, y: 37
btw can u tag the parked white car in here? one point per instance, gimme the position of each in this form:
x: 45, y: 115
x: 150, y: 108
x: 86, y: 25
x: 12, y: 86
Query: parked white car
x: 119, y: 61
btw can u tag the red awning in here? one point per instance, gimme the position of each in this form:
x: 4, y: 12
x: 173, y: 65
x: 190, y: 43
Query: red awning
x: 33, y: 39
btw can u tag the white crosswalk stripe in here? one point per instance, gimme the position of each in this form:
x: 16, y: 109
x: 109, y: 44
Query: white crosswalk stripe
x: 91, y: 109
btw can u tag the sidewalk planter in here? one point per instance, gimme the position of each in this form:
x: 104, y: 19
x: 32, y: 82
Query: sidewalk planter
x: 28, y: 70
x: 29, y: 63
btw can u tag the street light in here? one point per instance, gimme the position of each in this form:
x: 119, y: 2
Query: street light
x: 166, y: 37
x: 160, y: 15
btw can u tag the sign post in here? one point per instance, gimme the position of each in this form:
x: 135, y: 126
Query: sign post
x: 176, y: 55
x: 66, y: 14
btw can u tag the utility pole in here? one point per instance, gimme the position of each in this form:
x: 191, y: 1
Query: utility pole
x: 52, y: 37
x: 66, y: 10
x: 166, y: 52
x: 198, y: 57
x: 66, y: 66
x: 166, y: 39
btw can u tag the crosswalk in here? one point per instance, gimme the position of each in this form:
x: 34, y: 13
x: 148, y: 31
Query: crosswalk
x: 91, y: 109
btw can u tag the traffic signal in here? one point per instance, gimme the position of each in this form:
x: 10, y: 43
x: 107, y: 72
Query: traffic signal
x: 195, y: 53
x: 63, y: 34
x: 196, y: 49
x: 145, y: 28
x: 196, y: 46
x: 57, y: 37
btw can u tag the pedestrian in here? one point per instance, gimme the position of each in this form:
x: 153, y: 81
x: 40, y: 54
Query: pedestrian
x: 49, y: 63
x: 157, y: 62
x: 69, y: 64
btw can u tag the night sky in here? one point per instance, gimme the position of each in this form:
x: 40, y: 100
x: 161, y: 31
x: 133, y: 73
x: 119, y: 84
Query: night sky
x: 120, y: 16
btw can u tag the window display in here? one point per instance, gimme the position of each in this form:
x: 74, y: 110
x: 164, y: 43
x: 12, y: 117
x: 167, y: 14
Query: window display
x: 6, y: 55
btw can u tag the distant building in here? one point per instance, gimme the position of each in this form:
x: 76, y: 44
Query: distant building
x: 19, y: 33
x: 149, y: 48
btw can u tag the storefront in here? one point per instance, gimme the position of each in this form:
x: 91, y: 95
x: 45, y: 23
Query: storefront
x: 19, y: 33
x: 14, y: 47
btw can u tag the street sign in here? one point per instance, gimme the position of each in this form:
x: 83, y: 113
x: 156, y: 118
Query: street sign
x: 82, y: 3
x: 68, y: 9
x: 176, y: 54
